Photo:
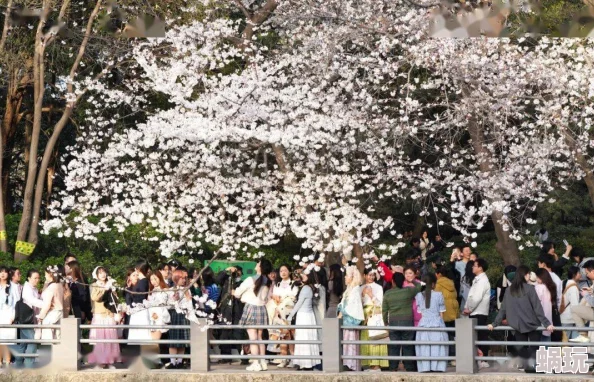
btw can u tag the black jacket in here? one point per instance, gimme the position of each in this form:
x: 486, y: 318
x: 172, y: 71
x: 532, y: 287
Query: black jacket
x: 230, y: 308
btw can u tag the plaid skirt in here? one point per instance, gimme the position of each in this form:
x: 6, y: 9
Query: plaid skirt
x: 178, y: 334
x: 254, y: 315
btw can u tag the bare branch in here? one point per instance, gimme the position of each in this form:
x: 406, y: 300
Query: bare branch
x: 6, y: 25
x: 83, y: 45
x: 245, y: 11
x: 262, y: 14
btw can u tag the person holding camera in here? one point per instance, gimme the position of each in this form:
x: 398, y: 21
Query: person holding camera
x: 230, y: 309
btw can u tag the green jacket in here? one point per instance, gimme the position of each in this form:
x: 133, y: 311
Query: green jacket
x: 397, y: 304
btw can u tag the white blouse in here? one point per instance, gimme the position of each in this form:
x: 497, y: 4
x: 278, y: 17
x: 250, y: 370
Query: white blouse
x: 246, y: 293
x: 284, y: 289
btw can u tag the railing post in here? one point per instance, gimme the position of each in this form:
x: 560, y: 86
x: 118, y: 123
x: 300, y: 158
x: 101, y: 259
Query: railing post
x: 200, y: 347
x: 65, y: 354
x: 465, y: 346
x: 331, y: 348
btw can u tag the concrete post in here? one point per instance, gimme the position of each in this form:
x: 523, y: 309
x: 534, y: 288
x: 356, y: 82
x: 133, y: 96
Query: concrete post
x: 200, y: 357
x: 331, y: 345
x: 65, y: 354
x: 465, y: 346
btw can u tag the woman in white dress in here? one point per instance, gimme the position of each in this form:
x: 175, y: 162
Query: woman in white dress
x: 158, y: 314
x: 304, y: 312
x: 139, y: 315
x: 9, y: 295
x: 53, y: 303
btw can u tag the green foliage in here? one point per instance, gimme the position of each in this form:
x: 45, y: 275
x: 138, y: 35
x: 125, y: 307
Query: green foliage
x: 571, y: 208
x: 555, y: 18
x: 576, y: 236
x: 115, y: 250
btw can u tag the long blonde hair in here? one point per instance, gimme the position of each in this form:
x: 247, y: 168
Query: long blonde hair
x: 356, y: 276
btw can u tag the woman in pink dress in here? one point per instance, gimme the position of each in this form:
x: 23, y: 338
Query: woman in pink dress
x: 103, y: 303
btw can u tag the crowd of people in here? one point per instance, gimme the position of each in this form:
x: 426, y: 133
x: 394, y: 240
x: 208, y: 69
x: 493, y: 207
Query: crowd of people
x: 426, y: 291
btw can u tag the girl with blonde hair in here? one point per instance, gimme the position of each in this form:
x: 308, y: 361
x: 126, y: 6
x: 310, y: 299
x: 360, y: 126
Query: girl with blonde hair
x: 351, y: 311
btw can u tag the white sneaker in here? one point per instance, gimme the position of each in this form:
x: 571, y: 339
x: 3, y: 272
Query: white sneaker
x: 483, y: 365
x: 264, y: 364
x: 283, y: 363
x: 580, y: 338
x: 254, y: 367
x: 111, y: 367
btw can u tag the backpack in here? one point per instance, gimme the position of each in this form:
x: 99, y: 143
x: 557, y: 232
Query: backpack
x: 563, y: 306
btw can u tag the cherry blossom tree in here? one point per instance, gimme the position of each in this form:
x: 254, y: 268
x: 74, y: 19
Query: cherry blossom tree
x: 287, y: 140
x: 299, y: 117
x: 51, y: 52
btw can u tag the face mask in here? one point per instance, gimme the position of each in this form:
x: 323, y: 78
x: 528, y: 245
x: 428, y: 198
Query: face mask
x: 237, y: 279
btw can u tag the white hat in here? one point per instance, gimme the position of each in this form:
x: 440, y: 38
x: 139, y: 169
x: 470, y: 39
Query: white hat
x: 94, y: 274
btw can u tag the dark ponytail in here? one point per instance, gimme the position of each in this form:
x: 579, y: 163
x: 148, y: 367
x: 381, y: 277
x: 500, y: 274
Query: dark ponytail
x: 571, y: 272
x: 430, y: 280
x: 265, y: 269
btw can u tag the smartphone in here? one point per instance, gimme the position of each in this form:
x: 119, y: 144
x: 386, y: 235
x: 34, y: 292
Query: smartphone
x: 565, y: 242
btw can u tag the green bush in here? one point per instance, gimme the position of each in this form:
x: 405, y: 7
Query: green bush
x: 115, y: 250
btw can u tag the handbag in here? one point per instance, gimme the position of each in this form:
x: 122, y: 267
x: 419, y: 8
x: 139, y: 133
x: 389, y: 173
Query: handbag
x: 557, y: 335
x: 376, y: 319
x: 23, y: 314
x: 110, y: 301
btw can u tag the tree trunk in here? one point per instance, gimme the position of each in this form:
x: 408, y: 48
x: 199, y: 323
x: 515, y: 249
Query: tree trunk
x: 589, y: 179
x: 29, y: 225
x: 419, y: 225
x: 7, y: 186
x: 48, y: 153
x: 507, y: 247
x: 39, y: 89
x: 51, y: 172
x: 6, y: 25
x: 358, y: 254
x: 13, y: 104
x: 3, y: 236
x: 6, y: 159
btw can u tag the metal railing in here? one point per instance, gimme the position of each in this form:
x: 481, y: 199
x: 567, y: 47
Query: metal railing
x: 387, y: 343
x: 17, y: 341
x: 66, y: 350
